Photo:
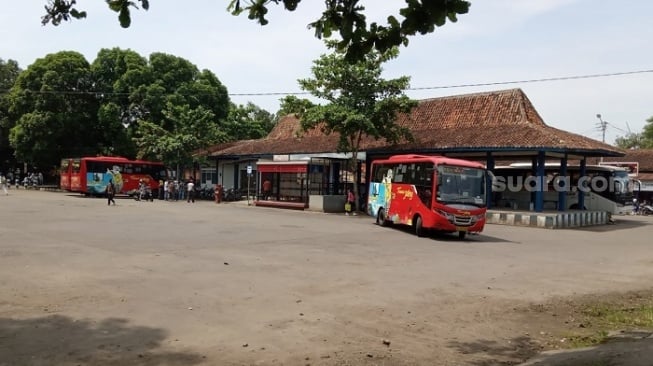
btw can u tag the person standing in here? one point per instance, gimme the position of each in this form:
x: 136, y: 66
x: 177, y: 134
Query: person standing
x: 111, y: 191
x: 3, y: 183
x: 267, y: 188
x: 190, y: 191
x: 351, y: 199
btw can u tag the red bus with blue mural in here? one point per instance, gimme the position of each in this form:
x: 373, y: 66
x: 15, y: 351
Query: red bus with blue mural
x: 90, y: 175
x: 428, y: 193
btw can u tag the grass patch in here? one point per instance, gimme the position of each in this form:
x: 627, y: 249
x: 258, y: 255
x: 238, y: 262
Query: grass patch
x: 597, y: 320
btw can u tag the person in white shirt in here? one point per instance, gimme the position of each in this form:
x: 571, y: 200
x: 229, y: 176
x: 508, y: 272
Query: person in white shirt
x: 190, y: 189
x: 3, y: 183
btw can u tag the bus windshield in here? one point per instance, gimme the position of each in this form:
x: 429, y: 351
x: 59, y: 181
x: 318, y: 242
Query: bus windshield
x: 460, y: 185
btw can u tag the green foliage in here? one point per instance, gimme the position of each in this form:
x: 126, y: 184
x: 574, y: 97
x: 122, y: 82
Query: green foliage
x: 248, y: 122
x: 9, y: 72
x: 120, y: 73
x: 344, y: 18
x: 647, y: 133
x: 360, y: 102
x: 64, y: 10
x: 61, y: 106
x: 172, y: 79
x: 347, y: 19
x: 290, y: 104
x: 601, y: 318
x: 51, y: 122
x: 633, y: 141
x: 641, y: 140
x: 191, y: 130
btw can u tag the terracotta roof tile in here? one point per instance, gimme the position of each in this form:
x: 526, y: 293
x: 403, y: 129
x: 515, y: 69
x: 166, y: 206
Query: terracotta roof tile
x: 643, y: 156
x: 490, y: 120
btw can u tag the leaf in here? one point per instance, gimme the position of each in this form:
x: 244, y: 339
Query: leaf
x: 115, y: 5
x: 77, y: 14
x: 125, y: 18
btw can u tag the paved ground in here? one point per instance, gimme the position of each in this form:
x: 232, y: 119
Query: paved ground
x: 167, y: 283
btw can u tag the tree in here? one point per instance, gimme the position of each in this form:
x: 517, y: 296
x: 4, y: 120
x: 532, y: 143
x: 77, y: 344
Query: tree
x: 631, y: 141
x: 138, y: 89
x: 119, y: 73
x: 9, y: 72
x: 175, y: 80
x: 192, y: 130
x: 56, y: 111
x: 647, y: 133
x: 290, y: 104
x: 360, y: 103
x: 62, y: 107
x: 248, y: 122
x: 637, y: 140
x: 346, y: 18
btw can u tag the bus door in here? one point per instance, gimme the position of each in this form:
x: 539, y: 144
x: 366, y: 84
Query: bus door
x: 64, y: 174
x: 76, y: 175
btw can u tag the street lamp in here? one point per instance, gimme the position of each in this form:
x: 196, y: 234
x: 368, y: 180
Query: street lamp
x: 603, y: 125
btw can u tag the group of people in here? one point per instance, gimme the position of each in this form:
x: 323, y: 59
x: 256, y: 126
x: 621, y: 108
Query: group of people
x: 31, y: 179
x: 169, y: 190
x: 174, y: 190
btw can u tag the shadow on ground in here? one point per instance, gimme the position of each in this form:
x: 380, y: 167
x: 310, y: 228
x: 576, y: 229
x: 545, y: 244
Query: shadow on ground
x: 631, y: 348
x: 621, y: 223
x: 488, y: 352
x: 444, y: 237
x: 59, y: 340
x: 628, y: 349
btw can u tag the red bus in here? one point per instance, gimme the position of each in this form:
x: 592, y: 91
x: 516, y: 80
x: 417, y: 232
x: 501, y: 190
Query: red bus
x: 90, y: 175
x: 428, y: 193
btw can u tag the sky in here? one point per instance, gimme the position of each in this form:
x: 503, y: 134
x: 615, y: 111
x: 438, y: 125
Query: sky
x: 497, y: 42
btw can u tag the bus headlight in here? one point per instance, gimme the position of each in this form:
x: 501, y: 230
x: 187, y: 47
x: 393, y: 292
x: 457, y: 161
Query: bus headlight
x: 476, y: 218
x: 449, y: 216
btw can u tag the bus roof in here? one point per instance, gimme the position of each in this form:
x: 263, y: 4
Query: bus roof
x: 436, y: 159
x: 117, y: 159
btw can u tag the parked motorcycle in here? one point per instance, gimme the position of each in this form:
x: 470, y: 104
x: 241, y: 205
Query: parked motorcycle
x: 646, y: 210
x: 144, y: 193
x: 232, y: 195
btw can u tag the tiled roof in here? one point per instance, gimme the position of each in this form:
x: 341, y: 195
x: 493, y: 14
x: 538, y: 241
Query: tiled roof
x: 643, y: 156
x: 482, y: 121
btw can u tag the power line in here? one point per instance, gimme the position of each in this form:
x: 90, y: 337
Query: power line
x: 453, y: 86
x: 590, y: 76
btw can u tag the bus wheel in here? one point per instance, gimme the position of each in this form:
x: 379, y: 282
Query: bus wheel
x: 419, y: 229
x: 380, y: 218
x: 462, y: 235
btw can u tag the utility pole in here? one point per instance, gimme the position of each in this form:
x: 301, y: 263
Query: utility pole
x: 603, y: 125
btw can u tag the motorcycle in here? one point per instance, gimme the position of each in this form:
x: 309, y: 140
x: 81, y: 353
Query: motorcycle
x: 646, y: 210
x: 232, y: 195
x: 144, y: 193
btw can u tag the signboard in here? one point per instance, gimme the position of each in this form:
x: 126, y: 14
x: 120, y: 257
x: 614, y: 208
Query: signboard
x: 632, y: 167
